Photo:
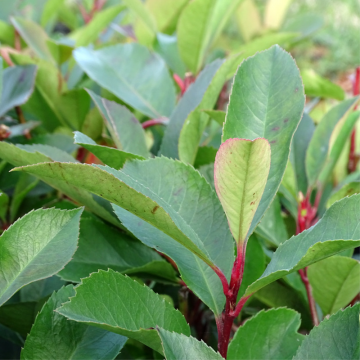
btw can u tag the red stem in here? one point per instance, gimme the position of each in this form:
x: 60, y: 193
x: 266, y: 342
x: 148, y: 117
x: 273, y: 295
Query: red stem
x: 353, y: 158
x: 152, y: 122
x: 225, y: 321
x: 312, y: 305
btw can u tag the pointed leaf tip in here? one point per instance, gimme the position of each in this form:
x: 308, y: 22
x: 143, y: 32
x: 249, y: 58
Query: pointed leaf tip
x: 240, y: 174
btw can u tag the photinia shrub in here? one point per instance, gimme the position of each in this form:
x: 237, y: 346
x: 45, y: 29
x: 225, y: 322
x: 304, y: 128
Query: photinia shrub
x: 168, y: 227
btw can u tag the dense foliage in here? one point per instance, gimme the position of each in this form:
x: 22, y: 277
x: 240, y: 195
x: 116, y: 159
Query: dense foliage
x: 167, y: 192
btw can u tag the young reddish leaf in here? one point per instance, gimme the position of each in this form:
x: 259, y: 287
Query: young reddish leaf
x: 240, y: 175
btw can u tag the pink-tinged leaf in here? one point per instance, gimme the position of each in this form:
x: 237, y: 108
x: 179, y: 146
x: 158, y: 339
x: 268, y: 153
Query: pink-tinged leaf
x: 240, y: 175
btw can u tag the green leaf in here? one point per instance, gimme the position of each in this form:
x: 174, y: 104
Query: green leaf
x: 317, y: 86
x: 347, y: 190
x: 133, y: 193
x: 35, y: 247
x: 240, y: 175
x: 199, y: 25
x: 335, y: 338
x: 132, y: 310
x: 319, y: 145
x: 60, y: 52
x: 269, y: 335
x: 339, y: 143
x: 19, y: 316
x: 248, y: 20
x: 338, y: 230
x: 54, y: 337
x: 217, y: 115
x: 34, y: 36
x: 1, y: 75
x: 49, y: 151
x: 24, y: 185
x: 87, y: 34
x: 299, y: 146
x: 50, y: 11
x: 138, y: 77
x: 17, y: 86
x: 26, y: 155
x: 7, y: 34
x: 124, y: 128
x: 118, y: 252
x: 188, y: 103
x: 272, y: 226
x: 180, y: 347
x: 267, y: 101
x: 109, y: 156
x: 4, y: 201
x: 205, y: 155
x: 335, y: 282
x: 197, y: 275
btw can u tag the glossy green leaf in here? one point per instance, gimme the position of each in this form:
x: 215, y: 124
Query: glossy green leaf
x: 54, y: 337
x: 335, y: 282
x: 240, y: 175
x: 347, y: 190
x: 87, y: 34
x: 188, y: 103
x: 35, y: 37
x: 132, y: 310
x: 199, y: 25
x: 109, y: 156
x: 336, y: 338
x: 267, y: 101
x: 180, y: 347
x: 124, y: 128
x: 338, y: 146
x: 317, y: 86
x: 138, y: 77
x: 35, y: 247
x: 22, y: 155
x: 17, y: 86
x: 319, y: 145
x: 269, y: 335
x: 299, y: 146
x: 118, y: 252
x: 130, y: 189
x: 338, y: 230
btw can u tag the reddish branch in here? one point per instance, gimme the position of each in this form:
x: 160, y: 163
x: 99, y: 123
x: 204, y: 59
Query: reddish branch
x: 153, y: 122
x: 306, y: 219
x: 98, y: 5
x: 353, y: 157
x: 224, y: 322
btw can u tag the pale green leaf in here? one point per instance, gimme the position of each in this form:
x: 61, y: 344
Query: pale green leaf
x: 267, y: 101
x: 347, y: 190
x: 199, y: 25
x: 87, y: 34
x: 54, y: 337
x: 17, y: 86
x: 35, y: 37
x: 124, y: 128
x: 182, y: 347
x: 217, y: 115
x: 240, y: 175
x: 109, y: 156
x: 335, y: 282
x: 35, y: 247
x: 269, y: 335
x: 338, y: 230
x: 188, y: 103
x: 248, y: 20
x: 132, y: 310
x: 317, y: 86
x: 138, y: 77
x: 319, y: 145
x: 275, y: 12
x: 336, y: 338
